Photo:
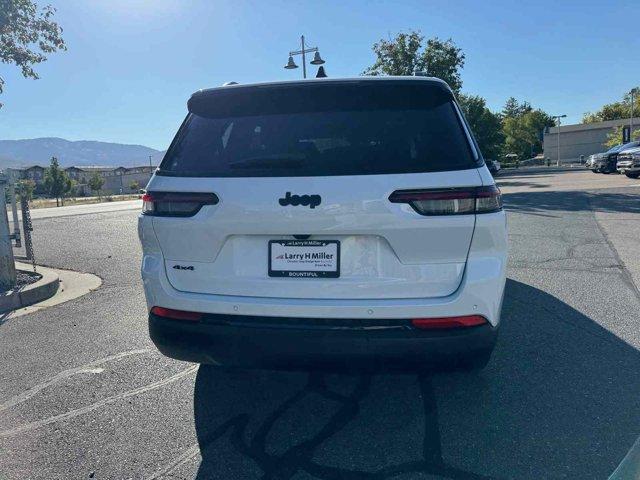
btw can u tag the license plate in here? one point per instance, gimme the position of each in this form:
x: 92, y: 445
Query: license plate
x: 304, y: 258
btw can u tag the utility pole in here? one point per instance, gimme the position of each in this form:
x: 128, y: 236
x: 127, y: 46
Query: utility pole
x: 7, y: 263
x: 557, y: 118
x: 150, y: 161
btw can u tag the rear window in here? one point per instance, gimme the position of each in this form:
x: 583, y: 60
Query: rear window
x: 345, y: 129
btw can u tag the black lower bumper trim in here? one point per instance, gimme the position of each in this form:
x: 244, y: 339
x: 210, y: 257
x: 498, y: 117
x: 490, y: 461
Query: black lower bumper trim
x: 291, y: 343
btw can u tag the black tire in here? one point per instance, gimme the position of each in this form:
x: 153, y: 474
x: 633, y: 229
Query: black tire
x: 632, y: 174
x: 594, y: 170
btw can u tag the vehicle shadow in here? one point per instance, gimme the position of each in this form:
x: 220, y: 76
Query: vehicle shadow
x: 523, y: 183
x: 559, y: 399
x: 571, y: 201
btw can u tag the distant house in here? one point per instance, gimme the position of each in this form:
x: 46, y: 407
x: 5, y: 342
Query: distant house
x: 35, y: 173
x: 82, y: 174
x: 116, y: 180
x: 75, y: 173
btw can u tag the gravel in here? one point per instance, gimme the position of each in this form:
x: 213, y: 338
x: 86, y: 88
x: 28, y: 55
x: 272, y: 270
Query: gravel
x: 24, y: 278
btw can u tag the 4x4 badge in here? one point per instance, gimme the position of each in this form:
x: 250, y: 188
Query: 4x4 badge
x: 183, y: 267
x: 305, y: 200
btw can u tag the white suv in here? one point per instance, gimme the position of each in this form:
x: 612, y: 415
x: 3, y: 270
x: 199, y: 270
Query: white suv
x: 328, y: 222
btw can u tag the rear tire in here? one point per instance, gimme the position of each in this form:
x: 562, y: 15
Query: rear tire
x: 633, y: 175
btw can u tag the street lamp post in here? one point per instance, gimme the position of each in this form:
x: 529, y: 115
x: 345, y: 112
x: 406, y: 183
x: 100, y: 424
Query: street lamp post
x: 303, y: 51
x: 633, y: 93
x: 557, y: 118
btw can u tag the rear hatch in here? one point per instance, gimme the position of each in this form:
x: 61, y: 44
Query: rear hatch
x: 302, y: 179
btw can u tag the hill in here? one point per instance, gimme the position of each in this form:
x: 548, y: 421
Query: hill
x: 38, y: 151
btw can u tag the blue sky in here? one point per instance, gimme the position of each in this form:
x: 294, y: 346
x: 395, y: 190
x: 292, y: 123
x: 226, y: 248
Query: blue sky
x: 132, y: 64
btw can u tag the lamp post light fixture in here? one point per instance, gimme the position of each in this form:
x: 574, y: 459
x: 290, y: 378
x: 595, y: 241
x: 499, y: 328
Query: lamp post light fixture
x: 557, y: 118
x: 317, y: 60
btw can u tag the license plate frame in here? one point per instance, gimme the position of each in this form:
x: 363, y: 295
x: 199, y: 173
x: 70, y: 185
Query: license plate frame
x: 314, y: 270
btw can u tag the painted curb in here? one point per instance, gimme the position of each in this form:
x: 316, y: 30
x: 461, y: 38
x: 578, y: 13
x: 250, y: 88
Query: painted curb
x: 41, y: 290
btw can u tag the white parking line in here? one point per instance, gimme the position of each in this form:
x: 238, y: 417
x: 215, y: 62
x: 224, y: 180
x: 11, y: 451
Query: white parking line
x: 87, y: 368
x: 94, y: 406
x: 178, y: 462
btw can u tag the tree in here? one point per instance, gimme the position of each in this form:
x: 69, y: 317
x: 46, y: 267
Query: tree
x: 27, y: 35
x: 96, y: 183
x: 512, y: 108
x: 615, y: 136
x: 485, y: 125
x: 522, y: 132
x: 134, y: 186
x: 25, y: 188
x: 405, y: 55
x: 56, y: 181
x: 615, y: 110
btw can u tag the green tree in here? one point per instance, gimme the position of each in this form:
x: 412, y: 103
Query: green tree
x: 522, y: 132
x: 57, y: 183
x: 134, y: 186
x: 407, y: 54
x: 615, y: 136
x: 96, y: 182
x: 512, y: 108
x: 27, y: 35
x: 25, y: 188
x: 615, y: 110
x: 485, y: 125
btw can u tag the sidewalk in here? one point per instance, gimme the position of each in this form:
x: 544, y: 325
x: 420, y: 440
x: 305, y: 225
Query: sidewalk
x: 56, y: 286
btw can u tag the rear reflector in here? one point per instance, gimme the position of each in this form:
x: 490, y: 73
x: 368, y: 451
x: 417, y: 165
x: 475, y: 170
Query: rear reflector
x: 448, y: 322
x: 451, y: 201
x: 176, y: 314
x: 176, y: 204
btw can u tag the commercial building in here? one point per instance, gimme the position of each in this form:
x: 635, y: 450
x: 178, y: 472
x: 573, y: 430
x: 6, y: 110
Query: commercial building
x: 581, y: 139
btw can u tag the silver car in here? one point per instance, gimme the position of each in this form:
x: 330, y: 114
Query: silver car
x: 629, y: 162
x: 606, y: 162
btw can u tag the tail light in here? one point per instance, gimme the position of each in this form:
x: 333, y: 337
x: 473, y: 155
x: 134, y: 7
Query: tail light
x: 451, y: 201
x: 448, y: 322
x: 176, y: 314
x: 175, y: 204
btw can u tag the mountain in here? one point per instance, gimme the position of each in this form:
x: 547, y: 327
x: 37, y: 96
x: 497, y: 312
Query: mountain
x: 38, y: 151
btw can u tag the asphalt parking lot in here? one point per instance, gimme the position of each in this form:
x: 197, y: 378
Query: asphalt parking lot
x: 83, y: 393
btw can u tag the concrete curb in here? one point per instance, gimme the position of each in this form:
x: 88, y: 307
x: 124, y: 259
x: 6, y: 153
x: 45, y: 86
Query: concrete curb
x: 41, y: 290
x: 71, y: 285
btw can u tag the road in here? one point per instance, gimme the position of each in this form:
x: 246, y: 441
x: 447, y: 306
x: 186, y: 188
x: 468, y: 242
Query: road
x: 83, y: 393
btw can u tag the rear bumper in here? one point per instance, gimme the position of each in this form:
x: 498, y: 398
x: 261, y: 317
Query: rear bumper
x: 289, y: 343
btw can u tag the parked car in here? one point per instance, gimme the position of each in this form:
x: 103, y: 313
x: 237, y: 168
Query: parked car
x: 335, y: 222
x: 512, y: 160
x: 606, y: 162
x: 629, y: 162
x: 493, y: 166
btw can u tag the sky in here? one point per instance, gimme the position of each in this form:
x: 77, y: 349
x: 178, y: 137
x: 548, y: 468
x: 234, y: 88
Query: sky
x: 131, y: 65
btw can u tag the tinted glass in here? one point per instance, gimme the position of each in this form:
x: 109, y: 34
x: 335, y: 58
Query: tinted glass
x: 628, y: 145
x: 320, y: 132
